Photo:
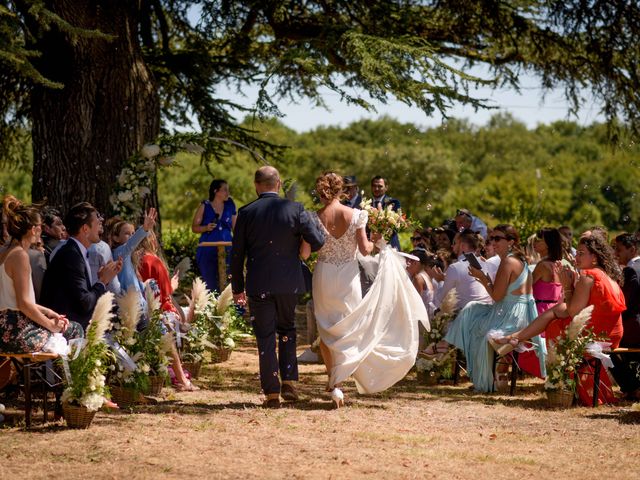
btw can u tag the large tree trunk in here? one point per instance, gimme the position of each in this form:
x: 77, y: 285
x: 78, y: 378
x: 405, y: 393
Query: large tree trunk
x: 108, y: 108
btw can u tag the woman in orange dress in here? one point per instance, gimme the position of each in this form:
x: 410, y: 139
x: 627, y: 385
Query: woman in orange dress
x: 596, y: 285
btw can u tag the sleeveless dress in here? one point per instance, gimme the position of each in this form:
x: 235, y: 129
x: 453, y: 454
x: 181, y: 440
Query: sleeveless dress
x: 18, y: 333
x: 207, y: 257
x: 546, y: 295
x: 606, y: 321
x: 374, y: 338
x: 468, y: 331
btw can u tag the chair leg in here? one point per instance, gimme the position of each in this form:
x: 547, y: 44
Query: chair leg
x: 596, y: 382
x: 514, y: 373
x: 456, y: 368
x: 45, y: 391
x: 27, y: 394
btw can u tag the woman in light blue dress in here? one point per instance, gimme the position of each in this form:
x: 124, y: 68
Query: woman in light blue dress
x: 513, y: 309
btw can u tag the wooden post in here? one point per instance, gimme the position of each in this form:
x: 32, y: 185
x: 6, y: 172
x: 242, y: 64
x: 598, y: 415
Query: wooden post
x: 222, y: 261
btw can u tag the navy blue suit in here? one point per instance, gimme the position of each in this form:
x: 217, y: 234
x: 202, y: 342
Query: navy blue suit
x: 268, y: 234
x: 66, y: 287
x: 627, y: 367
x: 394, y: 241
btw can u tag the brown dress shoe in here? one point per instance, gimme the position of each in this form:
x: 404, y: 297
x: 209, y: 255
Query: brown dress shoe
x: 271, y: 403
x: 289, y: 393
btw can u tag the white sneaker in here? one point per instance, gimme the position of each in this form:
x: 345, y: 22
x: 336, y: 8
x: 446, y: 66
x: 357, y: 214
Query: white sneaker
x: 308, y: 357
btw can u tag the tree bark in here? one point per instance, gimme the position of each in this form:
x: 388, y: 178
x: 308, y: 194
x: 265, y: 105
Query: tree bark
x: 109, y: 106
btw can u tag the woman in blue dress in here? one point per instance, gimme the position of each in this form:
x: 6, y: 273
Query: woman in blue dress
x: 214, y: 220
x: 513, y: 309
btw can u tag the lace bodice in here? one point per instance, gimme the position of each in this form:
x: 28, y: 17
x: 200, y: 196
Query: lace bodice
x: 339, y: 251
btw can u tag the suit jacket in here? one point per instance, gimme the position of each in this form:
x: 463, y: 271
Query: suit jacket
x: 394, y: 241
x: 631, y: 316
x: 354, y: 202
x: 268, y: 233
x: 67, y: 288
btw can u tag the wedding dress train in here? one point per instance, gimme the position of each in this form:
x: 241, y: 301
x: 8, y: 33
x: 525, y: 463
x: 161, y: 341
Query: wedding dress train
x: 375, y: 338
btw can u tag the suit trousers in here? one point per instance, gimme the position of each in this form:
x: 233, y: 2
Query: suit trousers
x: 271, y: 314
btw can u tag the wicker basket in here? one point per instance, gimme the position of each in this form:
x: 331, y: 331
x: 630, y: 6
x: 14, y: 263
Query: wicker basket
x: 156, y: 382
x: 427, y: 377
x: 124, y: 397
x: 559, y: 398
x: 220, y: 355
x: 193, y: 368
x: 77, y: 416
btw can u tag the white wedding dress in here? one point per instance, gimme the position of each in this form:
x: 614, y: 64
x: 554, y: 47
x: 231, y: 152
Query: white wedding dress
x: 375, y: 338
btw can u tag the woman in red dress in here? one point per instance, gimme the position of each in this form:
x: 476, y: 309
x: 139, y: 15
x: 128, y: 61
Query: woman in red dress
x: 151, y: 266
x: 596, y: 285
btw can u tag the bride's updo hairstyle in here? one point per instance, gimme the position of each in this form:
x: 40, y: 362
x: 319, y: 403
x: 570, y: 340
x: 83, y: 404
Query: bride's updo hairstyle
x: 330, y: 185
x: 20, y: 217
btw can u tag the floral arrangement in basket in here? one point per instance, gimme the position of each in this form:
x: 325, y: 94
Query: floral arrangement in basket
x: 566, y: 352
x: 439, y: 324
x: 215, y: 323
x: 130, y: 371
x: 386, y: 221
x: 156, y: 342
x: 88, y: 361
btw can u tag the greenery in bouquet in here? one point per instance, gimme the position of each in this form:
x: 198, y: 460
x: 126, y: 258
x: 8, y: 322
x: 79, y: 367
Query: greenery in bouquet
x: 132, y: 371
x: 387, y: 221
x: 89, y: 360
x: 227, y: 324
x: 566, y: 352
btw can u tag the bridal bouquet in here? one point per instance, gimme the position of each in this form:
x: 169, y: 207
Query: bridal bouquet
x: 386, y: 221
x: 567, y: 352
x: 88, y: 361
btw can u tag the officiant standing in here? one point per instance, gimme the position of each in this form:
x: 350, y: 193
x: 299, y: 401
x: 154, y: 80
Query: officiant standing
x: 268, y: 234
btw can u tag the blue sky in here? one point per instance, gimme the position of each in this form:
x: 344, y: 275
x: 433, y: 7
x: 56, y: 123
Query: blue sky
x: 527, y: 106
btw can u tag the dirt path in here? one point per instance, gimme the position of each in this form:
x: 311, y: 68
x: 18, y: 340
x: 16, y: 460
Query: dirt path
x: 411, y: 431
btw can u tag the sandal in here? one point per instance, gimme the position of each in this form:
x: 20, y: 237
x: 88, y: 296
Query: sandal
x: 186, y: 387
x: 503, y: 345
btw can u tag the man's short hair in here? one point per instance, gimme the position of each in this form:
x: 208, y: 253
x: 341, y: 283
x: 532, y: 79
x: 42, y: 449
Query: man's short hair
x: 78, y: 215
x: 267, y: 176
x: 628, y: 240
x: 470, y: 238
x: 380, y: 177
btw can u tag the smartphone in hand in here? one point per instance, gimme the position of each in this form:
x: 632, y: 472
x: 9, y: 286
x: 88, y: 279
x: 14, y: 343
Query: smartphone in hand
x: 473, y: 261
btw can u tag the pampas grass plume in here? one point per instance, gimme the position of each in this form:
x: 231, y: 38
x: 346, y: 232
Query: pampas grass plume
x: 224, y: 300
x: 450, y: 301
x: 101, y: 319
x: 578, y: 323
x: 129, y: 309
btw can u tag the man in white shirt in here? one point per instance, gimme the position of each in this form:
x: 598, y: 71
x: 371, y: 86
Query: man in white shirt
x: 457, y: 274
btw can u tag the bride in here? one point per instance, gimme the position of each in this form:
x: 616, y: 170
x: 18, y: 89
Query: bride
x: 375, y: 338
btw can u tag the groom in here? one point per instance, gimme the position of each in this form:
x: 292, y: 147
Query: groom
x: 268, y: 234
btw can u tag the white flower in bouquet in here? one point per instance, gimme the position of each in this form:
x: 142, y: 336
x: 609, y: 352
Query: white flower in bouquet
x: 229, y: 343
x: 150, y: 151
x: 93, y: 401
x: 125, y: 196
x: 423, y: 365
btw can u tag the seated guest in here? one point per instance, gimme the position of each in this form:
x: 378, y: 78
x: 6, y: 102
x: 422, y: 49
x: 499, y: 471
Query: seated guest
x: 513, y: 309
x: 547, y: 289
x: 420, y: 278
x: 25, y: 326
x: 466, y: 221
x: 627, y: 366
x: 567, y: 236
x: 38, y: 263
x: 53, y: 230
x: 151, y: 266
x: 100, y: 255
x: 442, y: 238
x: 595, y: 286
x: 67, y: 286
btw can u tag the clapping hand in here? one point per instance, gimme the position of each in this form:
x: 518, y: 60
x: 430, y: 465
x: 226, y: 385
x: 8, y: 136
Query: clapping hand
x: 109, y: 271
x: 567, y: 277
x: 149, y: 219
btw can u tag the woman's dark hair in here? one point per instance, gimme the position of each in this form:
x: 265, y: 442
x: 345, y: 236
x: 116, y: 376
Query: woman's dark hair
x: 598, y: 246
x: 553, y: 239
x: 512, y: 234
x: 20, y: 217
x: 422, y: 255
x: 214, y: 186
